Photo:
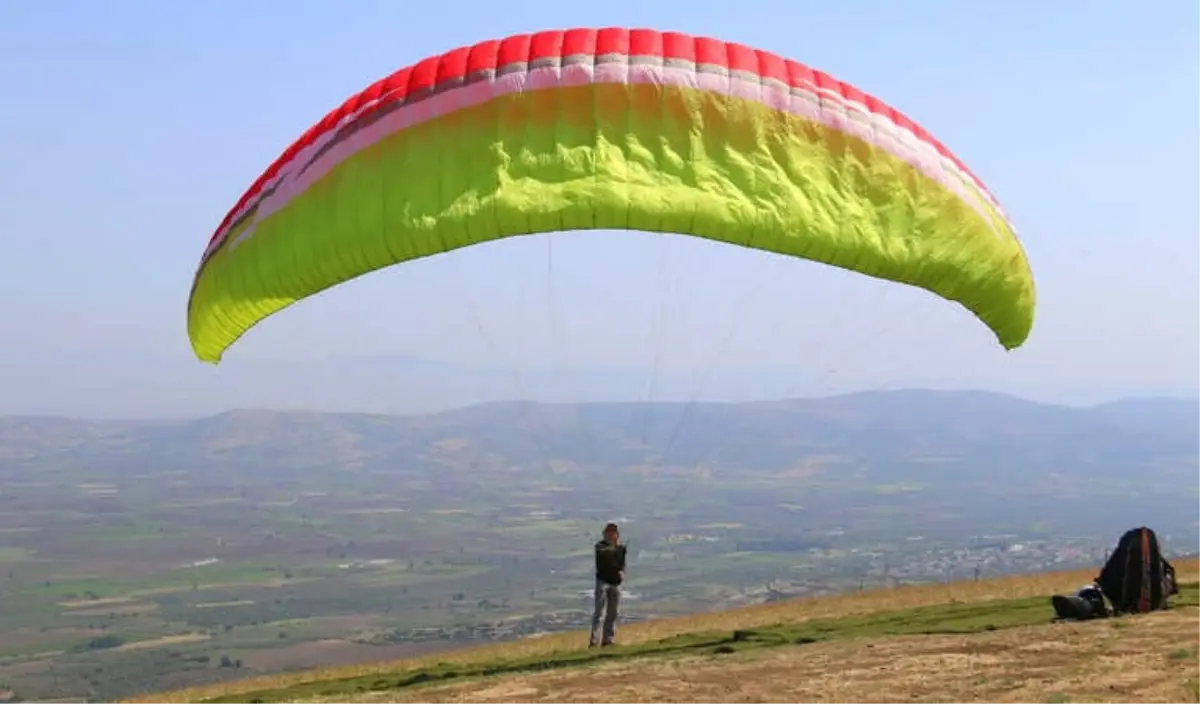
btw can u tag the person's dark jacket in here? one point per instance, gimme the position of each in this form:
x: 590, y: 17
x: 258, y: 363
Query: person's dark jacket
x: 610, y: 562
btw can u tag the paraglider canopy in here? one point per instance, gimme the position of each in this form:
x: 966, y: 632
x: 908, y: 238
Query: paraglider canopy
x: 610, y: 129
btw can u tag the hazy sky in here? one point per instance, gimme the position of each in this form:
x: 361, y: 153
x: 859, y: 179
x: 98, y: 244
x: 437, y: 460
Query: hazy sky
x: 129, y: 128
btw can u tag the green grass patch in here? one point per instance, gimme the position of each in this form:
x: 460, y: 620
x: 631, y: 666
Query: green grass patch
x: 10, y: 554
x: 179, y: 578
x: 942, y: 619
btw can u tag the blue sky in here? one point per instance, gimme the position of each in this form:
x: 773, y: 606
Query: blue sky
x: 131, y: 127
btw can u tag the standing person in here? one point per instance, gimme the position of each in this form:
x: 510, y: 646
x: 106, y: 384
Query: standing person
x: 610, y: 572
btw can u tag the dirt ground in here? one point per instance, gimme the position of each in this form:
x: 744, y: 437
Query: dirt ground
x: 1153, y: 658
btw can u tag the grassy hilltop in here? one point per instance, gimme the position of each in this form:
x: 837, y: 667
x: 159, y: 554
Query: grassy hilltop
x: 990, y: 640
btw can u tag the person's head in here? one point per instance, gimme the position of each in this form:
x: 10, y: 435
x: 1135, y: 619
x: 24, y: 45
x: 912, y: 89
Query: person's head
x: 611, y: 533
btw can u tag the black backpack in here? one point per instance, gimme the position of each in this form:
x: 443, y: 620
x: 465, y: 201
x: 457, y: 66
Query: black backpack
x: 1137, y: 578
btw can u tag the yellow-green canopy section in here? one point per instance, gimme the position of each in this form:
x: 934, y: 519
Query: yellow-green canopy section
x: 610, y: 129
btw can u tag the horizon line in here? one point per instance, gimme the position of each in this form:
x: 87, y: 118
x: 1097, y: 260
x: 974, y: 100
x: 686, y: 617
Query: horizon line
x: 1190, y: 396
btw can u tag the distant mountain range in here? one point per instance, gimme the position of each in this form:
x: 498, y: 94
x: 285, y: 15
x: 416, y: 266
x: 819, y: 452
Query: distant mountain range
x: 977, y: 430
x: 154, y: 387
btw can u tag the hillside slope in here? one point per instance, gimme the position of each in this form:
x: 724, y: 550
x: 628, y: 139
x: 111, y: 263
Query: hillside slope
x: 988, y: 640
x: 1049, y: 663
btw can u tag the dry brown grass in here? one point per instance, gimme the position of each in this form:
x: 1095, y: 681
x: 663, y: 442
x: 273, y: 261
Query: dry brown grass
x: 86, y: 603
x: 163, y: 642
x: 748, y: 617
x: 327, y: 653
x: 119, y: 608
x: 1146, y: 659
